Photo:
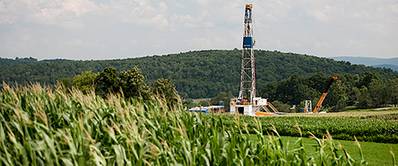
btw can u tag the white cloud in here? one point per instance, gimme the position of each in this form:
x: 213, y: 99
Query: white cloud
x: 123, y: 28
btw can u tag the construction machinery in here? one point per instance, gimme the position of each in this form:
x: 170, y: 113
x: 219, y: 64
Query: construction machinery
x: 324, y: 94
x: 247, y: 103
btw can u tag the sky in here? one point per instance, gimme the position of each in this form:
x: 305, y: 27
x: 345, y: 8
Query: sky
x: 113, y: 29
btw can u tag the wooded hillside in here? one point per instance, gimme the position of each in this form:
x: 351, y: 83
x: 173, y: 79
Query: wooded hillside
x: 196, y: 74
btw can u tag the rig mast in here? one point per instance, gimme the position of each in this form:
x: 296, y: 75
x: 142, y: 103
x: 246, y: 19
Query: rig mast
x: 247, y: 103
x: 247, y: 90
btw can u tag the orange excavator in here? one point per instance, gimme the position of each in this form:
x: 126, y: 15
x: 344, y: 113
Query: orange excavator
x: 324, y: 94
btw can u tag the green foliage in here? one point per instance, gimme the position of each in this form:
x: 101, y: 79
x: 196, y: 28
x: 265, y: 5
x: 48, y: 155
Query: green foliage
x: 363, y: 97
x: 338, y: 97
x: 363, y: 91
x: 204, y: 103
x: 282, y: 107
x: 132, y: 83
x: 44, y: 126
x: 286, y: 77
x: 84, y: 81
x: 379, y: 93
x: 293, y: 90
x: 107, y: 81
x: 189, y: 103
x: 223, y: 99
x: 393, y: 87
x: 165, y: 89
x: 196, y: 74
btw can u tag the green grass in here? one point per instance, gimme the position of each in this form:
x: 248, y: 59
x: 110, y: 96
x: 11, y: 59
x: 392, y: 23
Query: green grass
x: 43, y: 126
x: 374, y: 153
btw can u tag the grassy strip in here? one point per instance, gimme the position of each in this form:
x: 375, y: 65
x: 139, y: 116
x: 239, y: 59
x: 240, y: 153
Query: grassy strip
x: 375, y: 153
x: 40, y: 126
x: 384, y: 114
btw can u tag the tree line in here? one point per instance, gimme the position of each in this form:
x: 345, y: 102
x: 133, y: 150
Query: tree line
x: 206, y: 74
x: 129, y: 83
x: 367, y: 90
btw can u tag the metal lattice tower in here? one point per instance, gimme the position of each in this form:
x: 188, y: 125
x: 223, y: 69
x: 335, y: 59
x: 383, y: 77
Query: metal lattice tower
x: 248, y: 69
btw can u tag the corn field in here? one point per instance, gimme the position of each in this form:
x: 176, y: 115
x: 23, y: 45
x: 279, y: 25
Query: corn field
x: 53, y: 126
x: 374, y: 128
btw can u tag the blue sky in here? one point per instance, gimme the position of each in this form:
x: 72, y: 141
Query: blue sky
x: 110, y: 29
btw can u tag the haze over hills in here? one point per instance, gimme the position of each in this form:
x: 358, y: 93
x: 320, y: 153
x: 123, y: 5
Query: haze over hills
x: 196, y: 74
x: 391, y: 63
x: 388, y: 66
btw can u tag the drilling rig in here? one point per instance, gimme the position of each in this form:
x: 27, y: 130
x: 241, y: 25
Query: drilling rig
x: 248, y: 69
x: 247, y: 103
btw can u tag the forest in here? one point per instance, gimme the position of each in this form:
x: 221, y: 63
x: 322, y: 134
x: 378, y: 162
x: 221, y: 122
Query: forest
x: 284, y: 77
x: 367, y: 90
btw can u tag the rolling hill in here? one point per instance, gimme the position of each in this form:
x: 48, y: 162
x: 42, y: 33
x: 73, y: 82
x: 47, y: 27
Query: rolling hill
x: 196, y: 74
x: 388, y: 66
x: 391, y: 63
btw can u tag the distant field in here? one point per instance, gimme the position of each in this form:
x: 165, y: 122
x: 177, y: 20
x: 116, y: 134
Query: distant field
x: 371, y: 126
x: 380, y: 113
